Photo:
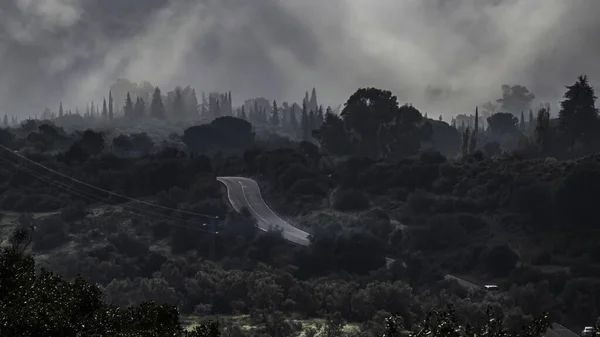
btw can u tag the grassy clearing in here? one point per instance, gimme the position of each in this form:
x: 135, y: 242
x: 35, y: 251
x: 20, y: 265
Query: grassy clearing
x: 244, y: 322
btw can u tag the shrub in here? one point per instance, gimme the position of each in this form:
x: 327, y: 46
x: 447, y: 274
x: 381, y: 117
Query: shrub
x: 500, y: 260
x: 307, y: 187
x: 349, y: 200
x: 49, y: 234
x: 74, y: 211
x: 43, y: 304
x: 129, y: 245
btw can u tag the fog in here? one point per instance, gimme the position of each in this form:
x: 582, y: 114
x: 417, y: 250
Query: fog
x: 442, y: 56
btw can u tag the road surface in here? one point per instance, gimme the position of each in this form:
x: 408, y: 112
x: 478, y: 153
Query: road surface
x: 245, y: 192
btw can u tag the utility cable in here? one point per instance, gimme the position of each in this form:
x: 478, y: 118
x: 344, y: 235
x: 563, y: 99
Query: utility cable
x: 103, y: 190
x: 105, y: 201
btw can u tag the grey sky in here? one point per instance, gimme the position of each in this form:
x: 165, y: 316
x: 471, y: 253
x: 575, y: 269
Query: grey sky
x: 73, y: 49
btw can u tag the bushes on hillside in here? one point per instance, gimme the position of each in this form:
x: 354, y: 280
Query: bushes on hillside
x: 349, y: 200
x: 43, y: 304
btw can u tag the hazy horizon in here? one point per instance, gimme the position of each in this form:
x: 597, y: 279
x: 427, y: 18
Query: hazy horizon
x: 72, y: 50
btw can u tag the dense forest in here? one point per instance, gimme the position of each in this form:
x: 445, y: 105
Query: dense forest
x: 121, y: 203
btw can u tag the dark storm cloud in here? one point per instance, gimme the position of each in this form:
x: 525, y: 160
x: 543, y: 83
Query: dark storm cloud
x: 444, y: 56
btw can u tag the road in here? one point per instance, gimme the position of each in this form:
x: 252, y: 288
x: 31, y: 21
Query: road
x: 245, y: 192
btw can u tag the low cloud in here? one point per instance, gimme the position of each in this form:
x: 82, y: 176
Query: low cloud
x: 443, y: 56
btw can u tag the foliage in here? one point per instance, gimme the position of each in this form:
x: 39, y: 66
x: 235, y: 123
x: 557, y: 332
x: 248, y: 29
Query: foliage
x: 43, y: 304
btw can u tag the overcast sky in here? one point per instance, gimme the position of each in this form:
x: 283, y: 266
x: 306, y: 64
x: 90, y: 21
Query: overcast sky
x: 72, y: 50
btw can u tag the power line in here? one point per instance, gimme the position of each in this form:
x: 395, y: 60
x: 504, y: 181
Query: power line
x: 91, y: 197
x: 103, y: 190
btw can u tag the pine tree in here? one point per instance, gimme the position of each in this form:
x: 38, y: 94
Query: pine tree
x: 157, y: 108
x: 243, y: 114
x: 522, y: 122
x: 139, y: 108
x: 320, y: 117
x: 111, y: 114
x: 531, y: 123
x: 293, y: 122
x: 440, y: 119
x: 192, y: 110
x: 178, y: 106
x: 218, y: 112
x: 128, y: 108
x: 257, y: 117
x: 313, y: 100
x: 229, y: 103
x: 5, y: 121
x: 578, y: 115
x: 104, y: 109
x: 204, y: 106
x: 60, y: 110
x: 473, y: 138
x: 541, y: 129
x: 305, y: 125
x: 312, y: 121
x: 264, y: 116
x: 465, y: 142
x: 275, y: 114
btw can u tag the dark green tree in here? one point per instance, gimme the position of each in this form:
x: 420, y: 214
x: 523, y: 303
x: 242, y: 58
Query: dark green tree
x: 332, y: 135
x: 380, y: 127
x: 157, y: 109
x: 293, y: 122
x: 473, y: 137
x: 104, y: 109
x: 275, y: 118
x: 40, y: 303
x: 465, y: 142
x: 541, y: 130
x: 111, y: 114
x: 503, y: 123
x: 515, y: 98
x: 128, y: 109
x: 305, y: 123
x: 178, y: 104
x: 139, y: 108
x: 578, y: 116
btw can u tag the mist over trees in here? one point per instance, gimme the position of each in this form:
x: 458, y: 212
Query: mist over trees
x: 487, y: 194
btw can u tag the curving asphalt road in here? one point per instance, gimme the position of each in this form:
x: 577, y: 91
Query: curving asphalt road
x: 245, y: 192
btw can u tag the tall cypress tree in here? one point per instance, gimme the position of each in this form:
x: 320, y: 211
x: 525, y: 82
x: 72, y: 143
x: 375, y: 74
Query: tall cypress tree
x: 473, y: 138
x: 243, y: 113
x: 111, y: 114
x: 128, y: 108
x: 293, y: 122
x: 522, y: 122
x: 305, y: 123
x: 275, y: 115
x: 320, y: 117
x: 104, y: 109
x: 139, y: 108
x: 178, y: 106
x: 157, y: 108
